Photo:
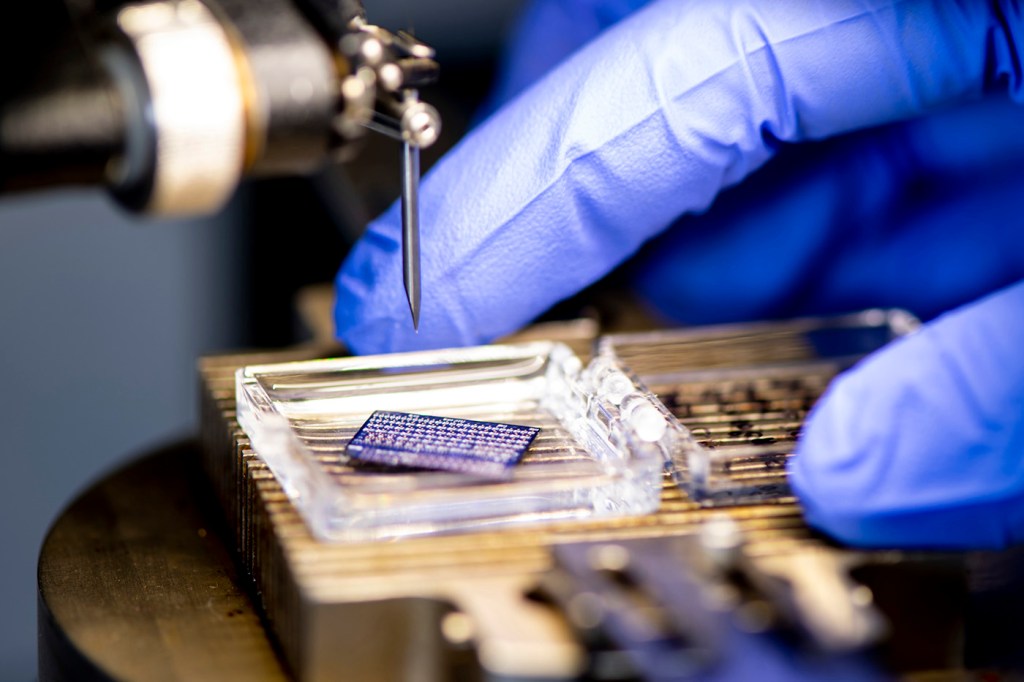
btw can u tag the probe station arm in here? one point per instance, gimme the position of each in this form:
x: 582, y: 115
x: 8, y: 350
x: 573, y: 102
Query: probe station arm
x: 172, y: 103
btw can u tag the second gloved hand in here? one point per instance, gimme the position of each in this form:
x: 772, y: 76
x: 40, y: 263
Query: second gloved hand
x: 923, y: 443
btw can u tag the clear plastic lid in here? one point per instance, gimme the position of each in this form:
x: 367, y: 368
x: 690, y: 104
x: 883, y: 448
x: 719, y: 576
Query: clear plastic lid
x: 742, y: 391
x: 601, y: 451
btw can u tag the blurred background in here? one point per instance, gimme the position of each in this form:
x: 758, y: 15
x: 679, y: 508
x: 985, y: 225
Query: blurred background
x: 103, y: 314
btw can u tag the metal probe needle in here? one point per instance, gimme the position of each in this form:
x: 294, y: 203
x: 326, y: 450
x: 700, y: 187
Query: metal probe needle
x: 411, y: 228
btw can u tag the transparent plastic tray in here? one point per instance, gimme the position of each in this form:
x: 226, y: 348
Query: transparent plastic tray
x: 602, y: 449
x: 742, y: 391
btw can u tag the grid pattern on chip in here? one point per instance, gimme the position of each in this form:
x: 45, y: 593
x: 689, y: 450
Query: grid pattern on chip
x: 435, y: 442
x: 326, y: 439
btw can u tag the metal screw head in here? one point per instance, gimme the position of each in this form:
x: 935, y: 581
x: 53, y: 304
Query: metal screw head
x: 372, y: 51
x: 586, y: 610
x: 458, y: 628
x: 421, y: 125
x: 413, y: 46
x: 390, y: 76
x: 609, y: 557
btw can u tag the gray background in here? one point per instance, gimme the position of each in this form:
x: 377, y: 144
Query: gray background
x: 101, y: 319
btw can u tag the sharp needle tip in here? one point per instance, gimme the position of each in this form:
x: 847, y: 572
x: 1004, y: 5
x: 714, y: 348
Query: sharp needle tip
x: 411, y: 230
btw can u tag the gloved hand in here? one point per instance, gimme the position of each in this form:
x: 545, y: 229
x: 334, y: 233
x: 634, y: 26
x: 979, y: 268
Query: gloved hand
x: 664, y: 109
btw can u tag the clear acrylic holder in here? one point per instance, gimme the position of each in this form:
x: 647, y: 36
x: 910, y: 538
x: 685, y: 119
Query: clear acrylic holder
x: 602, y: 449
x: 742, y: 391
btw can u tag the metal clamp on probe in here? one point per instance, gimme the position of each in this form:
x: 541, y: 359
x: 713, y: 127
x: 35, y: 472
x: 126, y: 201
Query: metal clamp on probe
x: 392, y: 67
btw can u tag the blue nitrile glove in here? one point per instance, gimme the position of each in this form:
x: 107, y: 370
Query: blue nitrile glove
x: 649, y: 122
x: 924, y: 215
x: 546, y: 33
x: 646, y: 123
x: 923, y: 444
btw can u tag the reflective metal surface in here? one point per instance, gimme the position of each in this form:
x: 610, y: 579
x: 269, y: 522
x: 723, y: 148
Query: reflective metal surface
x: 136, y: 583
x: 337, y: 608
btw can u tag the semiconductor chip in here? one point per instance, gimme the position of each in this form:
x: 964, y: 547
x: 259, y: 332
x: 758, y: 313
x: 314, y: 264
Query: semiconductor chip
x: 486, y: 449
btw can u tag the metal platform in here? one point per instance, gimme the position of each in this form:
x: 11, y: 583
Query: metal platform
x: 458, y: 605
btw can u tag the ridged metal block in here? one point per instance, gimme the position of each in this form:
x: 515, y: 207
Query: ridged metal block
x: 429, y: 608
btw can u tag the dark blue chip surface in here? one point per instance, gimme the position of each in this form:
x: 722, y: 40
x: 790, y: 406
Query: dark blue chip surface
x: 487, y: 449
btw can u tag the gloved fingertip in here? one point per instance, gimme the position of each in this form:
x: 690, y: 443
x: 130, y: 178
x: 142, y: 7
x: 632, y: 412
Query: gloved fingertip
x: 371, y: 310
x: 372, y: 318
x: 854, y: 487
x: 837, y: 462
x: 921, y: 444
x: 367, y: 310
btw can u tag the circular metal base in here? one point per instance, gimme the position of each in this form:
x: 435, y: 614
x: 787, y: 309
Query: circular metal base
x: 135, y: 582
